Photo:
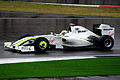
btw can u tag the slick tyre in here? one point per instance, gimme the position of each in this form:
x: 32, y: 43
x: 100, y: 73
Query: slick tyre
x: 106, y: 42
x: 41, y: 44
x: 26, y: 35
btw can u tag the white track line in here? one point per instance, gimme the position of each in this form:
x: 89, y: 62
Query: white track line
x: 80, y: 5
x: 70, y: 4
x: 19, y: 60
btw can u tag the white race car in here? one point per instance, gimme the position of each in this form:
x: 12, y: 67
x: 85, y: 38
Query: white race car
x: 77, y: 36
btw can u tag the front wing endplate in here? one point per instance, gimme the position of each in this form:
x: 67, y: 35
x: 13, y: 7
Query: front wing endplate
x: 8, y: 45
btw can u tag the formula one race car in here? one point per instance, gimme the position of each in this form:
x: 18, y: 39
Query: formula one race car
x: 77, y: 36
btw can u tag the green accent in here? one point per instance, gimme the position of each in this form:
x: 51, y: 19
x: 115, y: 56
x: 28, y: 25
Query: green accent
x: 71, y: 28
x: 64, y: 33
x: 98, y: 35
x: 62, y: 68
x: 43, y: 44
x: 24, y: 41
x: 84, y: 38
x: 5, y: 43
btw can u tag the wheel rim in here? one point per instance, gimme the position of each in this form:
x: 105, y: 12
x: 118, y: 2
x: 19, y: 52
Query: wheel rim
x: 108, y: 42
x: 43, y: 45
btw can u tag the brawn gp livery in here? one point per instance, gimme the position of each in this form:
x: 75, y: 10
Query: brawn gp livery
x: 77, y: 36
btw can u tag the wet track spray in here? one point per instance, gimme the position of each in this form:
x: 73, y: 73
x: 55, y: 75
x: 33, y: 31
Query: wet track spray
x: 12, y: 29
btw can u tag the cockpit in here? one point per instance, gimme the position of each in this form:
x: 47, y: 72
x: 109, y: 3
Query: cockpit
x: 74, y: 29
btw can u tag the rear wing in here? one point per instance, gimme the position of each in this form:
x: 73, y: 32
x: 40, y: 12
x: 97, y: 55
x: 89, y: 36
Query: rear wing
x: 103, y: 29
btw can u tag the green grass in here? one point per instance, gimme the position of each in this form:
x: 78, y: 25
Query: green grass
x: 57, y: 9
x: 83, y: 67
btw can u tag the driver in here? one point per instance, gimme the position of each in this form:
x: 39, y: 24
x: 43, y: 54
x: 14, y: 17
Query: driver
x: 71, y: 24
x: 63, y: 32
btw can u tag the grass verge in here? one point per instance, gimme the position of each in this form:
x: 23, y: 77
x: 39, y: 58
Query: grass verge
x: 81, y: 67
x: 57, y: 9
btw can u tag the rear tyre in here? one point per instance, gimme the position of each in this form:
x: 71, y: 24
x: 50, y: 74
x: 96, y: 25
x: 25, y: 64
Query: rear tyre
x: 41, y: 44
x: 106, y: 42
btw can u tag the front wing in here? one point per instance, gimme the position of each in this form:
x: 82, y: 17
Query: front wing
x: 8, y: 45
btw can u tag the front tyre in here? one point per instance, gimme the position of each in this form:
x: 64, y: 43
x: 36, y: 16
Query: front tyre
x: 41, y: 44
x: 106, y: 42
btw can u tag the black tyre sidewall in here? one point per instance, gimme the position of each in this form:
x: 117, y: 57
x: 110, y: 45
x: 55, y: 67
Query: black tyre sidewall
x: 102, y: 42
x: 37, y: 46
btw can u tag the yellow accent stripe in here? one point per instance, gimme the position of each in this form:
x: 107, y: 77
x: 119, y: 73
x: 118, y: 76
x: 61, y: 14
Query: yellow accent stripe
x: 24, y: 41
x: 84, y: 38
x: 98, y: 35
x: 5, y: 43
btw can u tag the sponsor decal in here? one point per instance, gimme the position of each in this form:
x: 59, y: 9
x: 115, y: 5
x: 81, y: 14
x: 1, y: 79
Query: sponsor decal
x: 25, y: 48
x: 81, y: 31
x: 111, y: 34
x: 51, y: 40
x: 29, y: 48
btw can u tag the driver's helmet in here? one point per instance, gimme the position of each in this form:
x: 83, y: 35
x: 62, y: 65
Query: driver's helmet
x: 72, y: 24
x: 63, y: 32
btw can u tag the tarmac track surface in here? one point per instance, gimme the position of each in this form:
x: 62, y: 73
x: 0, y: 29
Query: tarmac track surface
x: 64, y: 53
x: 12, y: 14
x: 59, y: 53
x: 115, y: 51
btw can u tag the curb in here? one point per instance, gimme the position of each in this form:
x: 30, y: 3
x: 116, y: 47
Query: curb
x: 109, y: 6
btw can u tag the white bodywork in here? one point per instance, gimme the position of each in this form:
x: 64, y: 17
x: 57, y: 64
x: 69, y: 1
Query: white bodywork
x: 107, y: 30
x: 76, y: 37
